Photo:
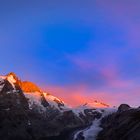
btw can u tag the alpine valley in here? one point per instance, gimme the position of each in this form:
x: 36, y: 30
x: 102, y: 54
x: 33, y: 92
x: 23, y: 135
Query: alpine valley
x: 28, y: 113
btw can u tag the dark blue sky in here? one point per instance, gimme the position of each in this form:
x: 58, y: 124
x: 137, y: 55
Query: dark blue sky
x: 86, y: 48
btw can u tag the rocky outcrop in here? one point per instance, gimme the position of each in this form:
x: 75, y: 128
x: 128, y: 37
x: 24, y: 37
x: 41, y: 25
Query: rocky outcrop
x: 122, y: 125
x: 123, y: 107
x: 13, y: 113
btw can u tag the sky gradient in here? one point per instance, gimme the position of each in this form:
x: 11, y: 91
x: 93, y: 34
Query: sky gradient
x: 79, y: 50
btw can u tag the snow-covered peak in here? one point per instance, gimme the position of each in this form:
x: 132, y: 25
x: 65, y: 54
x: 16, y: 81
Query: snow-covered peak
x: 55, y: 102
x: 12, y: 78
x: 93, y: 107
x: 96, y: 104
x: 34, y: 100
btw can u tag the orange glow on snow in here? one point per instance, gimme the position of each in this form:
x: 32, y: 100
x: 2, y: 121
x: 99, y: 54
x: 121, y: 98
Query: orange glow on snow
x: 76, y: 97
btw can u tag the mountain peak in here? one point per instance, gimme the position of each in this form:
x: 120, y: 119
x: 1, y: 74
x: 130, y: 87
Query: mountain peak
x: 12, y: 75
x: 12, y: 78
x: 96, y: 104
x: 26, y: 86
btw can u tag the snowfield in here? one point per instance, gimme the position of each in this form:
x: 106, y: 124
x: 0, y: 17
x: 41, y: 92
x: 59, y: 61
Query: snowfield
x: 91, y: 132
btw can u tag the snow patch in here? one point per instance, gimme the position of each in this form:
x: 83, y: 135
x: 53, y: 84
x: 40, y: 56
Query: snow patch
x: 12, y: 91
x: 11, y: 80
x: 80, y: 109
x: 7, y: 109
x: 52, y: 102
x: 35, y: 100
x: 29, y: 123
x: 91, y: 132
x: 1, y: 83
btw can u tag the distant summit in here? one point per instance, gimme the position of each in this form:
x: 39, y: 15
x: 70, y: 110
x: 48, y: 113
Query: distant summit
x: 96, y: 104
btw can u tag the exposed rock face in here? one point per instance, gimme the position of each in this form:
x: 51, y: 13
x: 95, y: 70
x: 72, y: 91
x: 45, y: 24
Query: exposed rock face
x: 123, y: 107
x: 123, y: 125
x: 13, y: 113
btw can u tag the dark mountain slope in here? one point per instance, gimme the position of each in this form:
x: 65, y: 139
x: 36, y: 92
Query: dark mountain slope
x: 122, y: 125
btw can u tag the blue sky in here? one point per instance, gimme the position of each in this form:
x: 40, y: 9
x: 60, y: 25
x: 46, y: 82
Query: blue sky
x: 89, y: 45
